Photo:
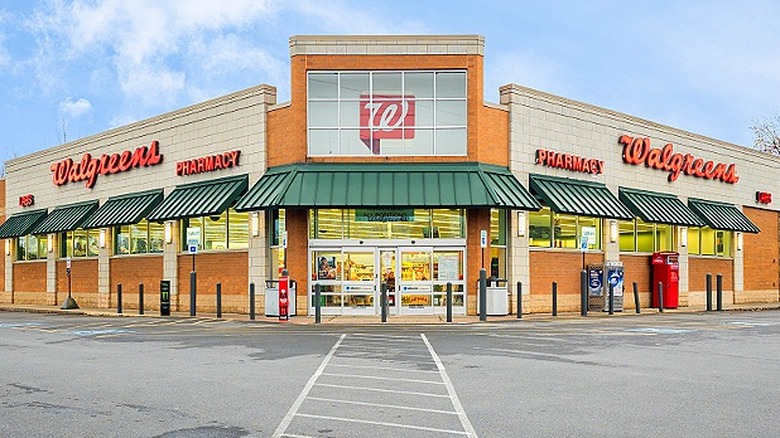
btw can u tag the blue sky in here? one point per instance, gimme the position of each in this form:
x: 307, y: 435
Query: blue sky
x: 69, y: 69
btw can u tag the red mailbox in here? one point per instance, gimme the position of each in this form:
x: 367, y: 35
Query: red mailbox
x: 666, y: 269
x: 284, y: 299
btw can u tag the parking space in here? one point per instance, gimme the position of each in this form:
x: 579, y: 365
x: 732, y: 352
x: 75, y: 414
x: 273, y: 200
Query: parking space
x: 380, y: 385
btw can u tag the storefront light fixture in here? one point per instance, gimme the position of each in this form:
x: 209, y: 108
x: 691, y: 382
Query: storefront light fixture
x: 613, y: 231
x: 168, y: 232
x: 683, y: 237
x: 739, y: 241
x: 255, y: 223
x: 50, y: 242
x: 7, y: 247
x: 521, y: 224
x: 102, y: 238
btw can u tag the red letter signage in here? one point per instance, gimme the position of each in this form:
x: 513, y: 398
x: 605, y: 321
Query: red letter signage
x: 26, y: 201
x: 574, y: 163
x: 89, y: 168
x: 637, y: 151
x: 207, y: 164
x: 763, y: 197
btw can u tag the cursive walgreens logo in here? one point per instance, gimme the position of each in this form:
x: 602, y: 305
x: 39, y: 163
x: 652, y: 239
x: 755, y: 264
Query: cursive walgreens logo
x: 89, y: 168
x: 384, y: 116
x: 637, y: 151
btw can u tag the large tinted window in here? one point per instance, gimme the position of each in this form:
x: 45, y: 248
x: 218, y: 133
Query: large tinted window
x: 387, y: 113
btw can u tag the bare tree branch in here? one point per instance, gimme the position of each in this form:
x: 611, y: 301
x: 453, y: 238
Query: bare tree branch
x: 767, y: 133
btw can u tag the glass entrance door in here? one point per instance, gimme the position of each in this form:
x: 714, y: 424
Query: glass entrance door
x: 360, y: 281
x: 387, y: 269
x: 415, y: 287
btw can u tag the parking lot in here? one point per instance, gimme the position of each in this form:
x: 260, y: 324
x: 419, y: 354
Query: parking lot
x: 677, y: 374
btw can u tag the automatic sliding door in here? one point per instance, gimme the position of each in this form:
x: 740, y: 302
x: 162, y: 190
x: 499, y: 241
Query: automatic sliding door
x: 416, y: 287
x: 359, y: 286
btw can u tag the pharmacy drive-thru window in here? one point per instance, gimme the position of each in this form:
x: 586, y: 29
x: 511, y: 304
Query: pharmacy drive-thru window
x: 386, y: 170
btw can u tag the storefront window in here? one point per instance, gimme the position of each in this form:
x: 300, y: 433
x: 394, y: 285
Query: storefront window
x: 277, y: 229
x: 79, y: 243
x: 663, y: 237
x: 31, y: 247
x: 387, y: 113
x: 498, y: 221
x: 387, y: 224
x: 645, y: 236
x: 142, y: 238
x: 547, y: 229
x: 627, y: 238
x: 694, y: 244
x: 707, y: 241
x: 229, y: 230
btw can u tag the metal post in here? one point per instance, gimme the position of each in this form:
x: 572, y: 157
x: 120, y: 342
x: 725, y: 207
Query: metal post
x: 193, y: 286
x: 383, y: 300
x: 636, y: 297
x: 119, y: 298
x: 449, y: 301
x: 519, y: 300
x: 317, y: 303
x: 252, y: 301
x: 611, y: 298
x: 719, y: 291
x: 140, y: 298
x: 584, y: 293
x: 482, y: 294
x: 660, y: 297
x: 555, y: 299
x: 709, y: 292
x: 219, y: 300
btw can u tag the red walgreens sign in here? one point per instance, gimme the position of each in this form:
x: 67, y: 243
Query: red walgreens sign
x: 89, y: 168
x: 638, y: 151
x: 385, y: 116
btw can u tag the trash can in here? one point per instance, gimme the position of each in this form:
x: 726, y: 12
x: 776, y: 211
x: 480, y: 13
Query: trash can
x: 497, y: 297
x: 272, y: 298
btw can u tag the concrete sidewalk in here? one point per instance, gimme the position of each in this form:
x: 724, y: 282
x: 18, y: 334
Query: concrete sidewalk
x: 374, y: 319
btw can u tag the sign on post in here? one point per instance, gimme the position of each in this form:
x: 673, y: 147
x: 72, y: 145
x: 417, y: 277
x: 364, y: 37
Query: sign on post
x: 588, y: 237
x: 193, y: 239
x: 483, y: 238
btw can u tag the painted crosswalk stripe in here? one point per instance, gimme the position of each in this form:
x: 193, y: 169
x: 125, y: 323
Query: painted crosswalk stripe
x: 382, y: 423
x: 379, y: 405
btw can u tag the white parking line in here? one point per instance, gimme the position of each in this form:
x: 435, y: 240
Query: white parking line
x: 306, y: 389
x: 464, y: 420
x: 369, y: 367
x: 378, y: 405
x: 392, y: 391
x: 376, y: 353
x: 393, y: 379
x: 382, y: 423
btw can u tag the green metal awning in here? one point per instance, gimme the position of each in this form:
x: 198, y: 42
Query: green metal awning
x: 661, y: 208
x: 20, y: 224
x: 204, y: 198
x: 416, y: 185
x: 124, y: 209
x: 722, y: 216
x: 66, y: 218
x: 584, y: 198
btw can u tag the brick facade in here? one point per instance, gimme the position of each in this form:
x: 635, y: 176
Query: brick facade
x: 761, y: 252
x: 84, y: 282
x: 562, y: 267
x: 229, y: 268
x: 130, y: 272
x: 29, y: 282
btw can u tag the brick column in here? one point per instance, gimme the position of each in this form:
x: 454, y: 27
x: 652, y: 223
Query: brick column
x: 171, y: 264
x: 51, y: 271
x: 519, y: 268
x: 104, y: 271
x: 258, y: 264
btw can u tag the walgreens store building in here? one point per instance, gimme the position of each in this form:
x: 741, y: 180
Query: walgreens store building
x: 386, y: 167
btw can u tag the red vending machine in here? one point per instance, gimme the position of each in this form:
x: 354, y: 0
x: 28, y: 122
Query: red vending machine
x: 666, y: 269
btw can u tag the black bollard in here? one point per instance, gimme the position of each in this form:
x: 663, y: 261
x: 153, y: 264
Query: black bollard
x: 252, y: 301
x: 719, y: 291
x: 554, y: 299
x: 449, y: 301
x: 660, y: 297
x: 519, y: 300
x: 219, y: 300
x: 709, y: 292
x: 140, y: 298
x: 317, y: 303
x: 119, y: 298
x: 383, y: 300
x: 584, y: 293
x: 193, y: 287
x: 636, y: 297
x: 482, y: 294
x: 611, y: 299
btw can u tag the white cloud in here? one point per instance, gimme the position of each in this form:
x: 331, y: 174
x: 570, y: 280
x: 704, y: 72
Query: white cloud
x: 142, y: 40
x: 73, y: 109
